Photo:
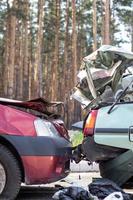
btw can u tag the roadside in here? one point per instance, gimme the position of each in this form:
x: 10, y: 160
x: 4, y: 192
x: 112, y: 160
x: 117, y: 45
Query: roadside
x: 39, y: 192
x: 46, y: 192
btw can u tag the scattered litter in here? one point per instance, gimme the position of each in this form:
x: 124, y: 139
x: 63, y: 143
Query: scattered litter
x: 100, y: 189
x: 74, y: 193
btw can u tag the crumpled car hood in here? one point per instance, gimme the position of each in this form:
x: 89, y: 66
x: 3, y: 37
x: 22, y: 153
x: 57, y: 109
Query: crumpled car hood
x: 41, y: 105
x: 103, y: 67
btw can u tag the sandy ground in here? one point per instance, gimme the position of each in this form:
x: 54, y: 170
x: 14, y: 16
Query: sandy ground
x: 77, y: 179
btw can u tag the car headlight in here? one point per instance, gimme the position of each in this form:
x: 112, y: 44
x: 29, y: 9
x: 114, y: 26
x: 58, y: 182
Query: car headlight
x: 45, y: 128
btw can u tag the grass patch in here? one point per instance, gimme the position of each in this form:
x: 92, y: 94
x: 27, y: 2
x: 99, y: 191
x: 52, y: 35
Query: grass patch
x: 77, y: 138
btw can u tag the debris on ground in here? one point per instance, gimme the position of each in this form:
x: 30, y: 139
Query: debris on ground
x: 99, y: 189
x: 115, y: 196
x: 103, y: 187
x: 74, y: 193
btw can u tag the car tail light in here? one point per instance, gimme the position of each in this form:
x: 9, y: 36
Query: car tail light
x: 45, y: 128
x: 59, y: 124
x: 90, y: 123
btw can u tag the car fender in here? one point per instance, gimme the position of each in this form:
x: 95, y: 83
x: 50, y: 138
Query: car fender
x: 15, y: 153
x: 113, y: 129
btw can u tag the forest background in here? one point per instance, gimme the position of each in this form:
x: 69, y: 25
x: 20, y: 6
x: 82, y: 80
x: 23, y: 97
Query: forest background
x: 42, y: 43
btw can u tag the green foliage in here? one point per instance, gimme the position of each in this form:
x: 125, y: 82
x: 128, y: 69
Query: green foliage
x: 120, y: 9
x: 124, y: 11
x: 77, y: 138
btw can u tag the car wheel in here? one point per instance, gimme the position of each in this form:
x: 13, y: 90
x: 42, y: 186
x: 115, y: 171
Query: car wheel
x: 10, y: 174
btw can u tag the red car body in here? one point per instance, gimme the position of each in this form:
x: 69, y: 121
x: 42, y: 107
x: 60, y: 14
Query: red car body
x: 42, y: 159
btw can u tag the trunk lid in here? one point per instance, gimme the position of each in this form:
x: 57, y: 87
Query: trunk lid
x: 39, y: 105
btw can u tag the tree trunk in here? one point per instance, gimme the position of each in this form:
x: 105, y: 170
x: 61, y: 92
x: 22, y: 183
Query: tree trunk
x: 26, y: 51
x: 94, y: 25
x: 38, y: 59
x: 74, y: 60
x: 65, y: 71
x: 65, y: 80
x: 106, y: 39
x: 10, y: 50
x: 6, y: 53
x: 56, y: 55
x: 18, y: 62
x: 132, y: 28
x: 74, y: 43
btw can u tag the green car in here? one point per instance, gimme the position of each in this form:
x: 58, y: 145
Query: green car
x: 105, y: 90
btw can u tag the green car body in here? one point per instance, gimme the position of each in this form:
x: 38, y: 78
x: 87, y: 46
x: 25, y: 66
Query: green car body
x: 116, y: 128
x: 105, y: 88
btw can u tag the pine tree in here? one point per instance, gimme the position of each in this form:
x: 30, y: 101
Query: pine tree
x: 54, y: 70
x: 10, y: 49
x: 94, y: 25
x: 38, y: 51
x: 106, y: 22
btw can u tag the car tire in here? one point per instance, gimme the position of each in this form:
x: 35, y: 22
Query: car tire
x: 10, y: 174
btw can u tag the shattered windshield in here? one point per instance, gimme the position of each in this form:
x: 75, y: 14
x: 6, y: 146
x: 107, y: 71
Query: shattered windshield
x: 102, y: 69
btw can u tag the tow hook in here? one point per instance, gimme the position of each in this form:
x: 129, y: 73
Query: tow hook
x: 77, y: 155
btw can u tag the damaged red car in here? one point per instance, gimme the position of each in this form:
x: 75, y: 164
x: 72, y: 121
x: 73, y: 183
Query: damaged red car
x: 34, y: 145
